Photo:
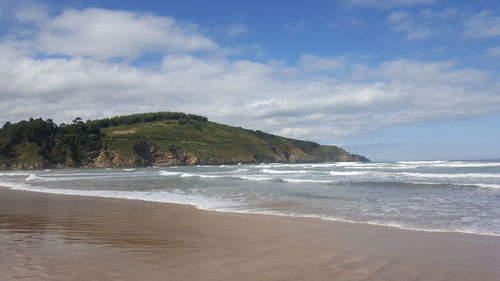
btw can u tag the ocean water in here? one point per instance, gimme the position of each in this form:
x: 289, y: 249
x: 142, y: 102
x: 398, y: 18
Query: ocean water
x: 439, y: 196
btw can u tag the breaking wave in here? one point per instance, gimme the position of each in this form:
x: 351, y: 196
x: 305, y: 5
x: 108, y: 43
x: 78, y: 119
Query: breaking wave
x: 464, y: 194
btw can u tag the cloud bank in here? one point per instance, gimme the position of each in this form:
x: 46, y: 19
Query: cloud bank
x: 105, y: 34
x: 58, y: 68
x: 483, y: 24
x: 458, y: 22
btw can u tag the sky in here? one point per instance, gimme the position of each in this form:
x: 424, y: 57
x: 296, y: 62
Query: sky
x: 389, y: 79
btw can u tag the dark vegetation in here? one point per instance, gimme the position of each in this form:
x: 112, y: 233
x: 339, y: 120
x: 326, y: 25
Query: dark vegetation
x: 146, y: 117
x: 38, y: 139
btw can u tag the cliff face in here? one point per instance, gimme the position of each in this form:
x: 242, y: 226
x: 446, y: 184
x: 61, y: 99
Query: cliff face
x: 153, y: 157
x: 343, y: 156
x: 111, y: 159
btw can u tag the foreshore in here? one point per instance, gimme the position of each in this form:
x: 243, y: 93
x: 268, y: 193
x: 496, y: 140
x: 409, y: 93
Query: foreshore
x: 59, y: 237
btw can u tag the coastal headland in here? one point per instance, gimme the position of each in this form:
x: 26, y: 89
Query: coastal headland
x: 151, y: 139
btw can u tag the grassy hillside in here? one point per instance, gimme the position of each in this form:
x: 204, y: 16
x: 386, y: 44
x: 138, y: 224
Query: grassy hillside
x: 164, y: 140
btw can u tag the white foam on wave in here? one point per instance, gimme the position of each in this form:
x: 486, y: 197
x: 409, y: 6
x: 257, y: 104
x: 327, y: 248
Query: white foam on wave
x: 390, y: 165
x: 254, y: 178
x: 16, y: 185
x: 33, y: 177
x: 198, y: 201
x: 422, y: 162
x: 168, y: 173
x: 482, y: 185
x: 415, y: 165
x: 77, y: 177
x: 348, y: 164
x: 305, y: 180
x: 468, y: 165
x: 84, y: 174
x: 369, y: 222
x: 210, y: 176
x: 37, y: 178
x: 352, y: 173
x: 270, y: 171
x: 206, y: 176
x: 449, y: 164
x: 423, y: 229
x: 378, y: 175
x: 296, y: 165
x: 384, y: 167
x: 436, y: 175
x: 130, y: 169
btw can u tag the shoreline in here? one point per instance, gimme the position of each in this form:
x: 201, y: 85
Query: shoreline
x: 275, y: 214
x: 59, y: 237
x: 70, y: 192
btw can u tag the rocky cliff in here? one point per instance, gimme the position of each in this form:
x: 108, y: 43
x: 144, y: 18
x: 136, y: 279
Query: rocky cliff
x: 153, y: 157
x: 156, y: 157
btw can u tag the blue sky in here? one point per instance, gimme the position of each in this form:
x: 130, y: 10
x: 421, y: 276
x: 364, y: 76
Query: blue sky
x: 392, y: 80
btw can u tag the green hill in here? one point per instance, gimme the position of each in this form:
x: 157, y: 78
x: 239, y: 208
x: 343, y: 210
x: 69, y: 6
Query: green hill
x: 150, y: 139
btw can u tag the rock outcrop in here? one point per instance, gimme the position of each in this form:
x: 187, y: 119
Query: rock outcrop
x: 162, y: 158
x: 149, y: 157
x: 112, y: 159
x: 188, y: 158
x: 28, y: 166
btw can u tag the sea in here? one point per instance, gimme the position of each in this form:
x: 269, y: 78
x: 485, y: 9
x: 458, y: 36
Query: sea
x: 435, y: 196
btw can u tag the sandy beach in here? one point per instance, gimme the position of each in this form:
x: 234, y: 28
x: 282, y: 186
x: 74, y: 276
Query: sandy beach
x: 57, y: 237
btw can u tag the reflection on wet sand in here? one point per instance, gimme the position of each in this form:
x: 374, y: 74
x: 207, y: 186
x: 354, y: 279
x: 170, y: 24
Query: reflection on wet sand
x: 38, y: 229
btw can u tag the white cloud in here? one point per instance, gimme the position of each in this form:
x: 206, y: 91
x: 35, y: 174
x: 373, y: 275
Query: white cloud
x: 447, y: 22
x: 295, y: 27
x: 237, y: 29
x: 482, y: 25
x: 440, y: 73
x: 426, y: 23
x: 404, y: 22
x: 314, y: 63
x: 297, y: 100
x: 386, y: 3
x: 494, y: 52
x: 332, y: 24
x: 351, y: 22
x: 108, y: 34
x: 246, y: 93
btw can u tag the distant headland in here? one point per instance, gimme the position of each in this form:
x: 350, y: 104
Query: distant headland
x: 151, y: 139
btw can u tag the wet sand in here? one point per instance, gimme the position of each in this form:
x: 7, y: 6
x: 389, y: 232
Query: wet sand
x: 57, y: 237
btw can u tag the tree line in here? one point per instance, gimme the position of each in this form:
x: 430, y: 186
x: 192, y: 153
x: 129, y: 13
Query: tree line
x: 58, y: 143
